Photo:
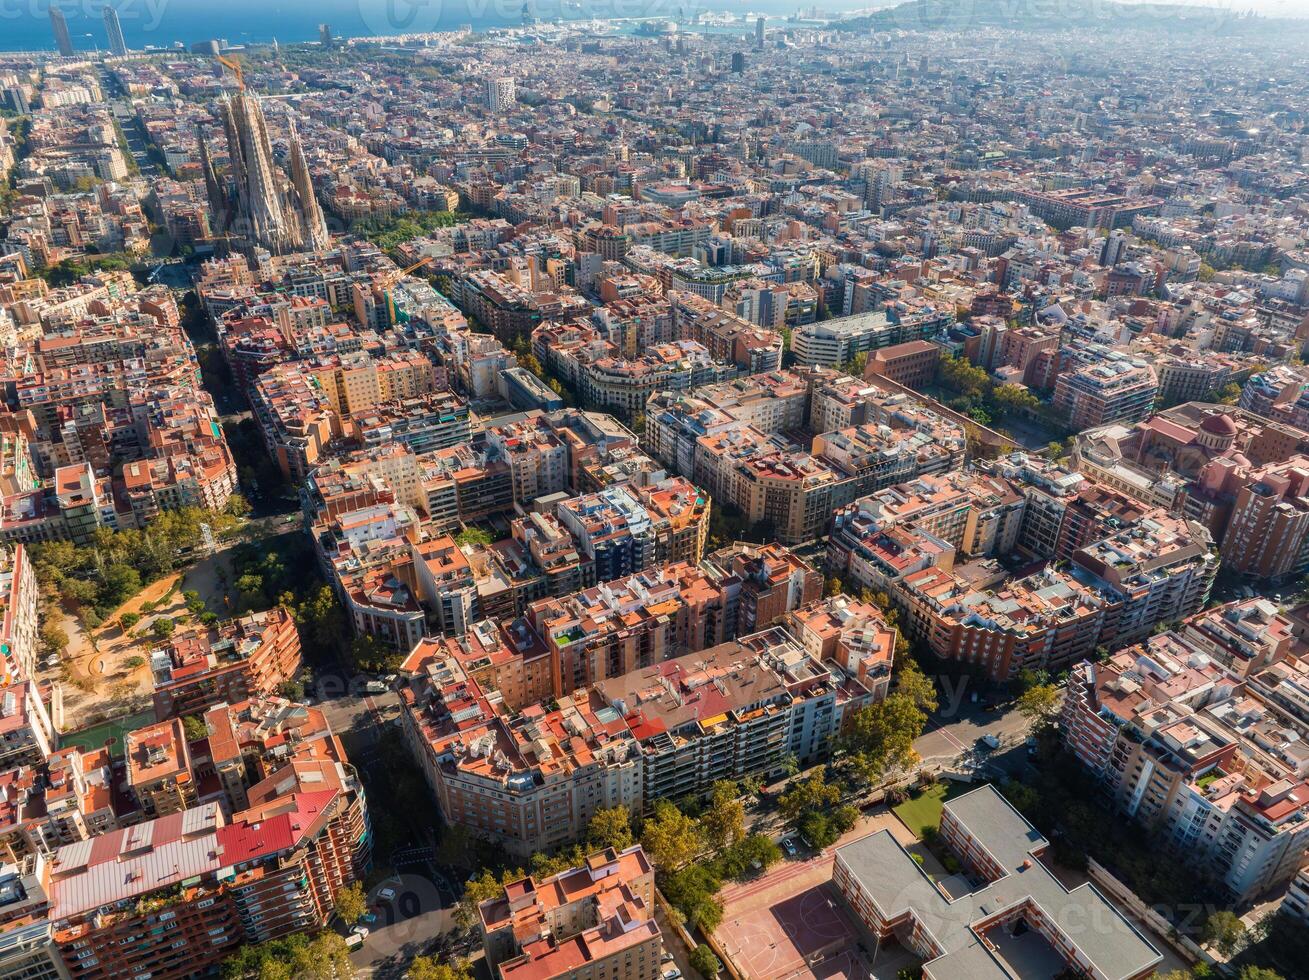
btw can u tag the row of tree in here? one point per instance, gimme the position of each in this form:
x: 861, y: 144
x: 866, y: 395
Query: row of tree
x: 115, y: 565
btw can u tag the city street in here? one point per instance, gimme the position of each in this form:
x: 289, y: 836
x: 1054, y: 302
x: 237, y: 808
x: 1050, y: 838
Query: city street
x: 420, y: 917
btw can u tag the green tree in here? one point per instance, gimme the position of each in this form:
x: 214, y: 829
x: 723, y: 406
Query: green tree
x: 54, y: 640
x: 1258, y: 973
x: 880, y: 738
x: 321, y: 619
x: 162, y: 628
x: 478, y: 891
x: 610, y: 827
x: 1013, y: 398
x: 691, y: 891
x: 351, y: 903
x: 371, y: 656
x: 723, y: 821
x: 704, y: 962
x: 856, y: 366
x: 548, y: 865
x: 473, y: 537
x: 1229, y: 394
x: 671, y: 838
x: 813, y: 807
x: 428, y: 968
x: 967, y: 379
x: 194, y: 727
x: 1225, y: 931
x: 914, y: 684
x: 528, y: 362
x: 119, y: 583
x: 1040, y: 705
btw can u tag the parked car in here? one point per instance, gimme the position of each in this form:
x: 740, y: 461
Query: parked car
x: 375, y: 687
x: 788, y: 845
x: 353, y: 941
x: 360, y: 931
x: 989, y: 741
x: 672, y: 973
x: 387, y: 895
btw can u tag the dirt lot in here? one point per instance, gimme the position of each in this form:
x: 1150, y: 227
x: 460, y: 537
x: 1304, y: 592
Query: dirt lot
x: 106, y: 672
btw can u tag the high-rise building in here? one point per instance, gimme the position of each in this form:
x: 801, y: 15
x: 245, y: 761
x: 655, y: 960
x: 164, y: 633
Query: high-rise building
x: 60, y: 25
x: 500, y: 94
x: 759, y: 33
x: 262, y: 207
x: 325, y: 35
x: 114, y: 31
x: 738, y: 61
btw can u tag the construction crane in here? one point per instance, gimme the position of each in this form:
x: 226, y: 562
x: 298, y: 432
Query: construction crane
x: 390, y: 282
x: 235, y: 67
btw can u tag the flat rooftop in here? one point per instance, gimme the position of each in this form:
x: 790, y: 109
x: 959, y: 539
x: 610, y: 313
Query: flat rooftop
x: 898, y: 886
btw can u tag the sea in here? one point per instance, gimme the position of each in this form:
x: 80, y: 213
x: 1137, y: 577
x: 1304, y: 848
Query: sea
x: 25, y: 24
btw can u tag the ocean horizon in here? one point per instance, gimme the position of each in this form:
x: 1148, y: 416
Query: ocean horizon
x: 25, y: 24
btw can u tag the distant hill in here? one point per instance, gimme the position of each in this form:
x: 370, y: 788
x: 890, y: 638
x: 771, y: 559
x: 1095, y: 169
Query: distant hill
x: 1046, y: 17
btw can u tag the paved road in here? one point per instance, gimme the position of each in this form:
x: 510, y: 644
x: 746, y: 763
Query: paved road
x: 955, y: 728
x: 420, y: 919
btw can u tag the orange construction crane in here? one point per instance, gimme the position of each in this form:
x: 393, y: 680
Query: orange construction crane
x: 235, y: 67
x: 389, y: 282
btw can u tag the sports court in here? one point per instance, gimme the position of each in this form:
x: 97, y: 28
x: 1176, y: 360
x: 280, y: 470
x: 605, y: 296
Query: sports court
x: 802, y: 936
x: 791, y: 925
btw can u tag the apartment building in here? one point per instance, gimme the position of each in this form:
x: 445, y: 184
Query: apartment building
x: 612, y: 529
x: 852, y: 634
x: 538, y: 458
x: 1159, y: 571
x: 1000, y: 625
x: 729, y: 338
x: 1267, y: 534
x: 243, y: 657
x: 528, y: 781
x: 1117, y: 388
x: 913, y: 364
x: 773, y: 402
x: 160, y: 775
x: 1244, y: 637
x: 791, y: 491
x: 928, y: 521
x: 175, y: 895
x: 733, y: 711
x: 762, y: 583
x: 26, y: 733
x: 421, y: 423
x: 679, y: 519
x: 832, y: 343
x: 588, y: 922
x: 883, y: 453
x: 27, y: 950
x: 296, y: 418
x: 1180, y: 744
x: 1013, y: 911
x: 19, y: 615
x: 632, y: 622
